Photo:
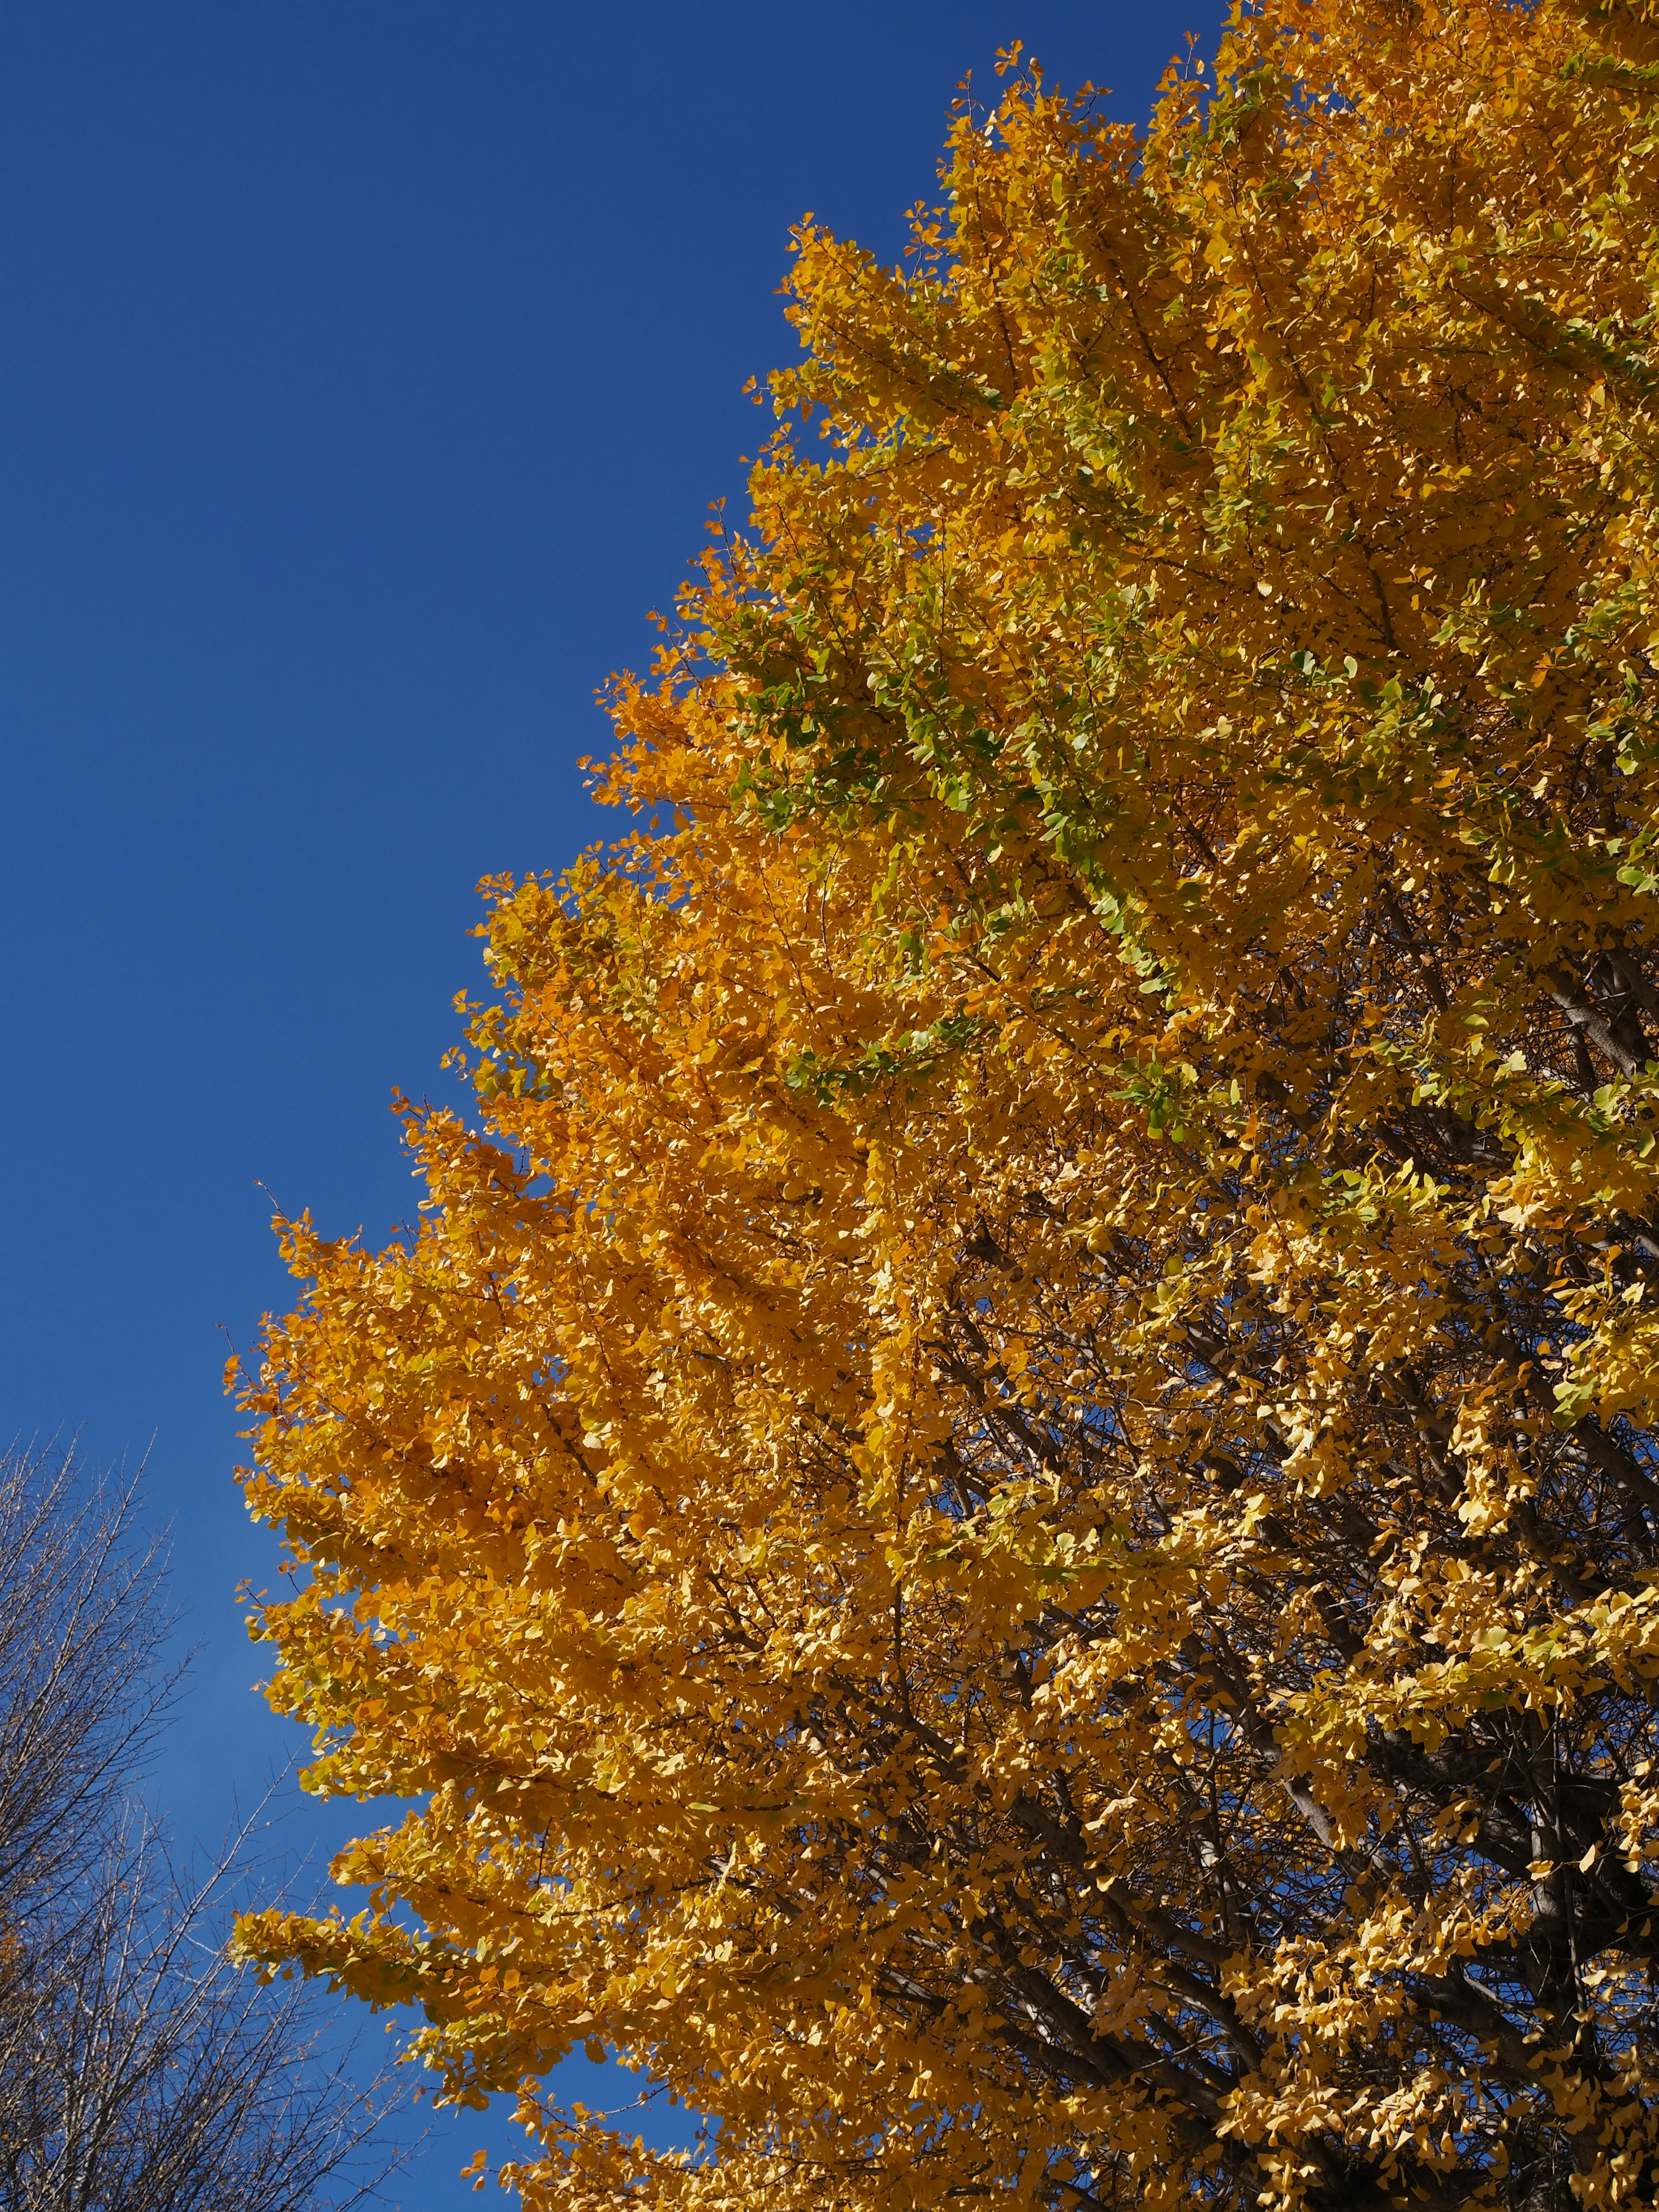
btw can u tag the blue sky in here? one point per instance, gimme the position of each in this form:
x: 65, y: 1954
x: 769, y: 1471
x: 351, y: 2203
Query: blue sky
x: 368, y: 370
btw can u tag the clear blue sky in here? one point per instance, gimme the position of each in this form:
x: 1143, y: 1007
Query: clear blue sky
x: 369, y: 367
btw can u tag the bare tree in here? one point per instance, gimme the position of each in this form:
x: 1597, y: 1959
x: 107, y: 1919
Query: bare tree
x: 141, y: 2069
x: 83, y: 1684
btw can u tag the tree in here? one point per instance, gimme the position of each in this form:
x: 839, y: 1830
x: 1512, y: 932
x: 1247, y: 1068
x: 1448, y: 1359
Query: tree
x: 1007, y: 1514
x: 141, y: 2069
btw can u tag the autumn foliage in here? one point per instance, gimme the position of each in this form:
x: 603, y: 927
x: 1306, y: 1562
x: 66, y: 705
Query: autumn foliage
x: 1005, y: 1520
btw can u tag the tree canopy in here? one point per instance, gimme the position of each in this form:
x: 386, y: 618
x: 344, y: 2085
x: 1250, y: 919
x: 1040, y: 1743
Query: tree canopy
x: 1005, y: 1516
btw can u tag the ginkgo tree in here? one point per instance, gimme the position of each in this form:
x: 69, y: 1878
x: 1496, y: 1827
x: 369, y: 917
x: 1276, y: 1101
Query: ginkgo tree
x: 1004, y: 1518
